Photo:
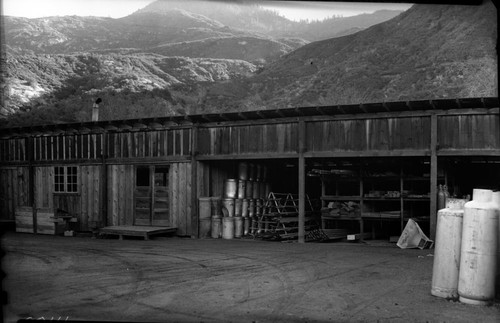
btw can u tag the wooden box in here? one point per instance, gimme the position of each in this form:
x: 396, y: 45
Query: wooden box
x: 45, y: 223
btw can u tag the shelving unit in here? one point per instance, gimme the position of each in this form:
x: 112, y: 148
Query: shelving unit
x: 384, y: 190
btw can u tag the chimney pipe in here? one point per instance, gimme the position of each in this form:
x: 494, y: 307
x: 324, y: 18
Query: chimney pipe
x: 95, y: 110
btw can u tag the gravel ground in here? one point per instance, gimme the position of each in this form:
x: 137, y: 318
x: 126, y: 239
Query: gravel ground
x: 170, y: 279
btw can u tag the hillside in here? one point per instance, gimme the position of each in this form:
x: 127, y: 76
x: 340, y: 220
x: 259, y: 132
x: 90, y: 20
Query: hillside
x: 61, y: 88
x: 429, y: 51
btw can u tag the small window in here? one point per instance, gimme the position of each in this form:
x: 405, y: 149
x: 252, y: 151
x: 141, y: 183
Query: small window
x: 142, y: 176
x: 66, y: 179
x: 161, y: 176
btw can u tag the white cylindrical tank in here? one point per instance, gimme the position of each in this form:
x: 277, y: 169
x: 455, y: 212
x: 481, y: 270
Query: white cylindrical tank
x: 478, y: 257
x: 447, y: 250
x: 496, y: 206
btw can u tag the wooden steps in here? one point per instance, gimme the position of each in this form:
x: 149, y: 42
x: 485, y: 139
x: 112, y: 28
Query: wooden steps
x: 136, y: 230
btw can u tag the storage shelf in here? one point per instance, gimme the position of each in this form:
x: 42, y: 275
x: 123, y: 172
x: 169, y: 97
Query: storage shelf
x: 340, y: 198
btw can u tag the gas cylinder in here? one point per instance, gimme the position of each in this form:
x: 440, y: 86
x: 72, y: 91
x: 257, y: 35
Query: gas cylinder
x: 447, y: 250
x: 478, y: 257
x: 496, y: 206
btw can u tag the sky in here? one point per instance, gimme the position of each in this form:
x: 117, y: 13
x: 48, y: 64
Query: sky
x: 293, y: 10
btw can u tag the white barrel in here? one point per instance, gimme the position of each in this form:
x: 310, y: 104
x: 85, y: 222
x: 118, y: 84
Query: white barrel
x: 246, y: 225
x: 478, y: 257
x: 447, y: 250
x: 230, y: 188
x: 242, y: 187
x: 228, y: 228
x: 244, y: 208
x: 238, y: 226
x: 496, y: 206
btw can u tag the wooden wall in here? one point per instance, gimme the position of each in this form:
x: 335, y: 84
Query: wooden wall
x: 68, y: 147
x: 13, y: 149
x: 180, y: 197
x: 121, y: 181
x: 14, y: 190
x: 469, y: 132
x: 86, y: 205
x: 157, y: 143
x: 380, y: 134
x: 248, y: 139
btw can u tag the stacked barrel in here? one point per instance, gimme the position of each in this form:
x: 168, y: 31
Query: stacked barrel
x: 244, y: 199
x: 467, y: 254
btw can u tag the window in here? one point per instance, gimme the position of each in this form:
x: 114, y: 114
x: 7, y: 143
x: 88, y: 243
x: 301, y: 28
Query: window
x: 66, y: 179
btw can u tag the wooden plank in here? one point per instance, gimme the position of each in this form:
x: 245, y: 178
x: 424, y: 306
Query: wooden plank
x: 433, y: 177
x: 189, y: 201
x: 302, y: 181
x: 181, y: 208
x: 84, y: 188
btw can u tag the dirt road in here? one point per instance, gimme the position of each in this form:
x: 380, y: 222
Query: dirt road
x: 184, y: 280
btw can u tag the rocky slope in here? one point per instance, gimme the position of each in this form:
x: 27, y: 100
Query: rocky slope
x: 429, y: 51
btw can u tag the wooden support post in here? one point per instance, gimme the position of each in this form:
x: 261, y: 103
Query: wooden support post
x: 194, y: 183
x: 433, y: 179
x: 302, y: 179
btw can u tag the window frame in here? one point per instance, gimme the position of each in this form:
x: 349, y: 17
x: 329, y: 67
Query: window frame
x: 66, y: 179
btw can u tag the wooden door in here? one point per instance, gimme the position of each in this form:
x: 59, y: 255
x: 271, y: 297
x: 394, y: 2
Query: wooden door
x: 151, y: 196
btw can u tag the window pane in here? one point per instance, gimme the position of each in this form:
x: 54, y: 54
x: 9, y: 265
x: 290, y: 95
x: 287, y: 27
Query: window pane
x: 142, y: 176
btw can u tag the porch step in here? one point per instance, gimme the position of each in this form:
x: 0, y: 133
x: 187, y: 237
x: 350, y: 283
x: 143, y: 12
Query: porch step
x: 136, y: 230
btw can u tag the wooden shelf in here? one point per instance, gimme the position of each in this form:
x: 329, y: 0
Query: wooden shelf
x: 340, y: 198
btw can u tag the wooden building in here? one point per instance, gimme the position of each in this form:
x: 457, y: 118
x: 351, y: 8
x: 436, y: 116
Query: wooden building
x: 152, y: 171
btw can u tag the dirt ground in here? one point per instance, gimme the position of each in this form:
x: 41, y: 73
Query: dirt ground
x: 169, y: 279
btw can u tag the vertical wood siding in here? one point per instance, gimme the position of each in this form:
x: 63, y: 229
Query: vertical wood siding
x: 121, y: 183
x: 44, y: 187
x: 14, y: 190
x: 13, y: 149
x: 91, y: 197
x: 469, y: 132
x: 180, y: 197
x: 143, y: 144
x: 368, y: 134
x: 68, y: 147
x: 248, y: 139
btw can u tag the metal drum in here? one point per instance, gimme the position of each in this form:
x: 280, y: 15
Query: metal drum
x: 238, y: 226
x: 228, y: 228
x: 205, y: 226
x: 251, y: 208
x: 230, y: 188
x: 216, y: 231
x: 242, y: 186
x: 258, y: 207
x: 243, y: 171
x: 244, y: 208
x: 262, y: 190
x: 228, y: 207
x: 258, y: 173
x: 246, y: 225
x: 238, y: 204
x: 215, y: 202
x: 249, y: 190
x: 255, y: 190
x: 251, y: 172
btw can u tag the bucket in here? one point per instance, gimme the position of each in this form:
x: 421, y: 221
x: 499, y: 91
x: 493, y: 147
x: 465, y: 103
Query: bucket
x: 243, y: 171
x: 249, y: 190
x: 242, y: 186
x: 238, y: 226
x: 244, y: 208
x: 228, y: 207
x: 228, y: 228
x: 216, y: 231
x: 238, y: 204
x: 230, y: 188
x: 204, y: 207
x: 205, y: 226
x: 215, y: 203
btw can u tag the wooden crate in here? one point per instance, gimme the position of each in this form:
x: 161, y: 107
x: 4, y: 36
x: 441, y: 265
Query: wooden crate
x: 45, y: 223
x: 24, y: 219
